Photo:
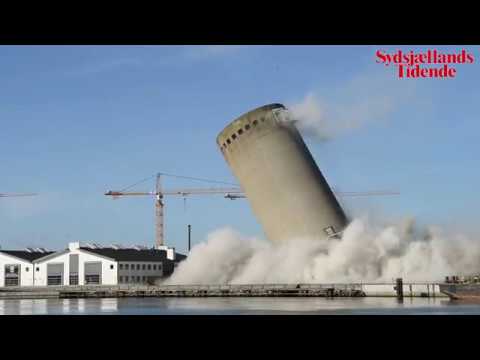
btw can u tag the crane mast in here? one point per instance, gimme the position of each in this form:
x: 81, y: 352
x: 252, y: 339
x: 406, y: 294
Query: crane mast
x: 158, y: 214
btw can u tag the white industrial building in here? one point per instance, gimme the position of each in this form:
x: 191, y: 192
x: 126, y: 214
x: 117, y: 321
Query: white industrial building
x: 16, y: 266
x: 86, y: 265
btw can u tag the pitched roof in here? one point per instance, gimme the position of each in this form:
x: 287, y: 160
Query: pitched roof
x: 179, y: 257
x: 131, y: 254
x: 25, y: 255
x: 153, y: 255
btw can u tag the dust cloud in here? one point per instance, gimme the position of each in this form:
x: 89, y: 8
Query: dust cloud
x: 367, y: 252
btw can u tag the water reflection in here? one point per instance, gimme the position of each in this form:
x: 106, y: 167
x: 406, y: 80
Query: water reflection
x: 297, y: 304
x: 66, y: 306
x: 109, y: 305
x: 81, y: 305
x: 88, y: 306
x: 161, y: 306
x: 23, y: 307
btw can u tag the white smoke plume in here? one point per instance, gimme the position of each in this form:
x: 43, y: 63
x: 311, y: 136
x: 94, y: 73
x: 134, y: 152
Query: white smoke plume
x: 367, y: 252
x: 363, y: 100
x: 311, y: 117
x: 318, y: 119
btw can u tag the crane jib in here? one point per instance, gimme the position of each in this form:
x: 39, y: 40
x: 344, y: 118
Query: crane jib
x: 228, y: 193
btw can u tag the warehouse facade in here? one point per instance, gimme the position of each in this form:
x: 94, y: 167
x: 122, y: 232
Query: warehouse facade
x: 17, y: 266
x: 86, y: 265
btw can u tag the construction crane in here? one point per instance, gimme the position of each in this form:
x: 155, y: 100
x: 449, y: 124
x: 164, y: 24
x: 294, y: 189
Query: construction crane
x: 231, y: 193
x: 159, y: 204
x: 17, y: 194
x: 234, y: 195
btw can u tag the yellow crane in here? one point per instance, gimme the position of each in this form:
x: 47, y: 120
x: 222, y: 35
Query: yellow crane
x: 231, y: 193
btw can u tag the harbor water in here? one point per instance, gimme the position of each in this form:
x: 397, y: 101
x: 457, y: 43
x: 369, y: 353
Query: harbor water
x: 237, y: 306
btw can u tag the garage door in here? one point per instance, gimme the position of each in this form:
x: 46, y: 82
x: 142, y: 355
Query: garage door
x: 93, y: 273
x: 55, y: 274
x: 73, y: 269
x: 12, y: 275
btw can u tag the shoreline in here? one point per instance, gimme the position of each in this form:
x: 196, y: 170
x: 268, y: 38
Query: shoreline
x: 411, y: 290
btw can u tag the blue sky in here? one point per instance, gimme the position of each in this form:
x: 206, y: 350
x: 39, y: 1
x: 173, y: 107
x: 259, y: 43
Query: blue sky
x: 79, y: 120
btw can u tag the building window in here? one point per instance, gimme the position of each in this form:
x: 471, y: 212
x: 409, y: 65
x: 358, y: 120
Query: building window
x: 73, y: 279
x: 126, y: 266
x: 12, y: 277
x: 255, y: 122
x: 240, y: 132
x: 133, y: 266
x: 138, y: 266
x: 26, y: 269
x: 234, y: 136
x: 228, y: 141
x: 138, y: 278
x: 143, y: 267
x: 149, y: 267
x: 38, y: 269
x: 154, y: 267
x: 247, y: 127
x: 111, y: 266
x: 121, y: 266
x: 54, y: 280
x: 120, y: 279
x: 92, y: 279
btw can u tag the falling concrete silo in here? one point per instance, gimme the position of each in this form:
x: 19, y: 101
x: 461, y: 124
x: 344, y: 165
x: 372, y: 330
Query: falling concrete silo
x: 284, y: 186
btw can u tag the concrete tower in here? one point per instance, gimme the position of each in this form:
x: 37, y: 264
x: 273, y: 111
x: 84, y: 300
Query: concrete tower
x: 285, y: 188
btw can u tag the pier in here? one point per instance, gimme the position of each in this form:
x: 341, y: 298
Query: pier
x: 413, y: 289
x: 300, y: 290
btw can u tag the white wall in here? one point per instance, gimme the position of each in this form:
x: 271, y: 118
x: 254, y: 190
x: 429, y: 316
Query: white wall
x: 142, y: 273
x: 170, y: 251
x: 109, y: 276
x: 25, y: 277
x: 388, y: 290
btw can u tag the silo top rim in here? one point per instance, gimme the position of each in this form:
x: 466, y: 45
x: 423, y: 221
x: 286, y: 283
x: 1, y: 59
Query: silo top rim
x: 250, y: 113
x: 262, y: 108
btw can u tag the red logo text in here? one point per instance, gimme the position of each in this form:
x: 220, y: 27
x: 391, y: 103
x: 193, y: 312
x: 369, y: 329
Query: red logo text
x: 429, y: 64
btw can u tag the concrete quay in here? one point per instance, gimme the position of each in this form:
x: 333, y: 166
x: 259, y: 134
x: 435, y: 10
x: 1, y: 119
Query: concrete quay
x: 249, y: 290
